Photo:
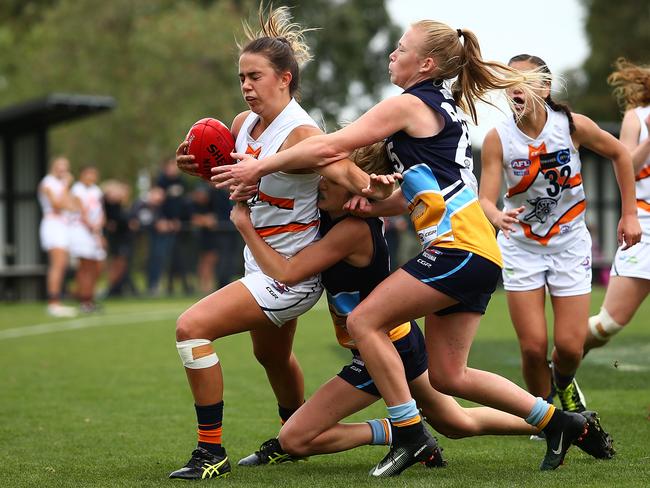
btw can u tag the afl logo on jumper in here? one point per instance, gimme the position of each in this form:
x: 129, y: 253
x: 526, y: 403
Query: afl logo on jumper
x: 543, y: 206
x: 520, y: 166
x: 554, y: 159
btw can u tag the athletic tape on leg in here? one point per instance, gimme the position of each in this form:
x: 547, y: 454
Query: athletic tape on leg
x: 603, y: 326
x: 197, y: 353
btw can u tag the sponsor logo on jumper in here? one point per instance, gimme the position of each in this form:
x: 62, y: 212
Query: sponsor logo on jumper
x: 542, y: 209
x: 554, y: 159
x: 428, y: 233
x: 424, y: 263
x: 564, y: 228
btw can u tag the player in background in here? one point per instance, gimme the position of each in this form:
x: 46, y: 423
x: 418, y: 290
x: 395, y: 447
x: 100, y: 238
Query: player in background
x: 353, y: 257
x: 451, y: 281
x: 284, y: 212
x: 86, y: 238
x: 544, y: 239
x: 54, y: 198
x: 629, y: 283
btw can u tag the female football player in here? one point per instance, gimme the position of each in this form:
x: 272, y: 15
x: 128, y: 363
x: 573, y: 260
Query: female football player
x: 86, y: 240
x: 54, y: 197
x: 629, y: 283
x: 544, y: 239
x: 284, y: 212
x: 450, y: 282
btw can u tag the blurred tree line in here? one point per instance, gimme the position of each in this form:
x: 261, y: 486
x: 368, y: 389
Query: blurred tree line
x: 169, y: 63
x: 613, y: 29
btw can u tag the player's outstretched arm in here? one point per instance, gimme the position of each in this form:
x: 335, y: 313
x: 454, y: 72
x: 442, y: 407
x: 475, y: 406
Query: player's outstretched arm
x: 360, y: 206
x: 385, y: 118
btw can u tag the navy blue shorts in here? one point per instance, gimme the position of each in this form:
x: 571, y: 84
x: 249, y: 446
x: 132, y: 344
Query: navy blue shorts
x: 412, y: 351
x: 467, y: 277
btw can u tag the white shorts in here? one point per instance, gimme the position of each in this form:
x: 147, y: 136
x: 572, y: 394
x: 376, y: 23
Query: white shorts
x: 86, y: 245
x: 279, y: 302
x: 565, y: 273
x: 633, y: 262
x: 54, y: 233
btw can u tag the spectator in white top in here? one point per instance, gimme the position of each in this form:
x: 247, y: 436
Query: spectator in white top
x: 87, y: 243
x: 54, y: 198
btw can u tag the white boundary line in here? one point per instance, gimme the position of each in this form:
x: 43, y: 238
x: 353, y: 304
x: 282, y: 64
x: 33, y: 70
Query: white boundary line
x: 89, y: 322
x: 104, y: 320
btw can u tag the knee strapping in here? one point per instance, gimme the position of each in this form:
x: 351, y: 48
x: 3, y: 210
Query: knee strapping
x: 197, y: 353
x: 603, y: 326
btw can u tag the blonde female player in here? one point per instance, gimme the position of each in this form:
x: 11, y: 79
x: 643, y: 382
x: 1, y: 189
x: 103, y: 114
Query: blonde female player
x: 54, y: 198
x: 544, y: 239
x: 353, y: 257
x: 629, y: 284
x: 450, y: 282
x: 284, y: 212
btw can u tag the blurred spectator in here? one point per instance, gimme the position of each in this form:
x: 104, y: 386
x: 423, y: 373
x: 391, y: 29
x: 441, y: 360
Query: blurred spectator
x: 229, y: 243
x: 394, y: 227
x: 160, y: 236
x: 120, y: 231
x: 86, y: 239
x: 205, y: 224
x: 175, y: 211
x: 183, y: 249
x: 54, y: 197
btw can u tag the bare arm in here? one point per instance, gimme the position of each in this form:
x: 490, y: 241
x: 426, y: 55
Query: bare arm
x: 490, y: 186
x: 396, y: 204
x: 593, y: 137
x: 343, y: 240
x: 385, y: 118
x: 630, y: 131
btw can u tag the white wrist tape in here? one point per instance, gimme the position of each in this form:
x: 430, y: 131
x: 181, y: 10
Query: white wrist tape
x: 197, y: 353
x: 603, y: 326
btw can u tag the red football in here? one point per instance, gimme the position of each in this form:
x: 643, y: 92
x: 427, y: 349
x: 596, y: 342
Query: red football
x: 211, y: 143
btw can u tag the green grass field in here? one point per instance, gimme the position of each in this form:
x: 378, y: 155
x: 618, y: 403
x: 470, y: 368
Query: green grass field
x: 103, y: 401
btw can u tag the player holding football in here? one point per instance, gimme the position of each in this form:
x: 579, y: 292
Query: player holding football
x: 451, y: 281
x: 284, y: 213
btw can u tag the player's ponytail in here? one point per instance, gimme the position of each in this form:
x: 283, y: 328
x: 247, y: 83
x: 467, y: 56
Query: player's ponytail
x: 280, y: 40
x: 631, y: 84
x: 543, y: 67
x: 458, y: 55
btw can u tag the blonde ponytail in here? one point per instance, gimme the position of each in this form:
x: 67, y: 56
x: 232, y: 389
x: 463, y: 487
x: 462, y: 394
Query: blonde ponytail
x: 475, y: 77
